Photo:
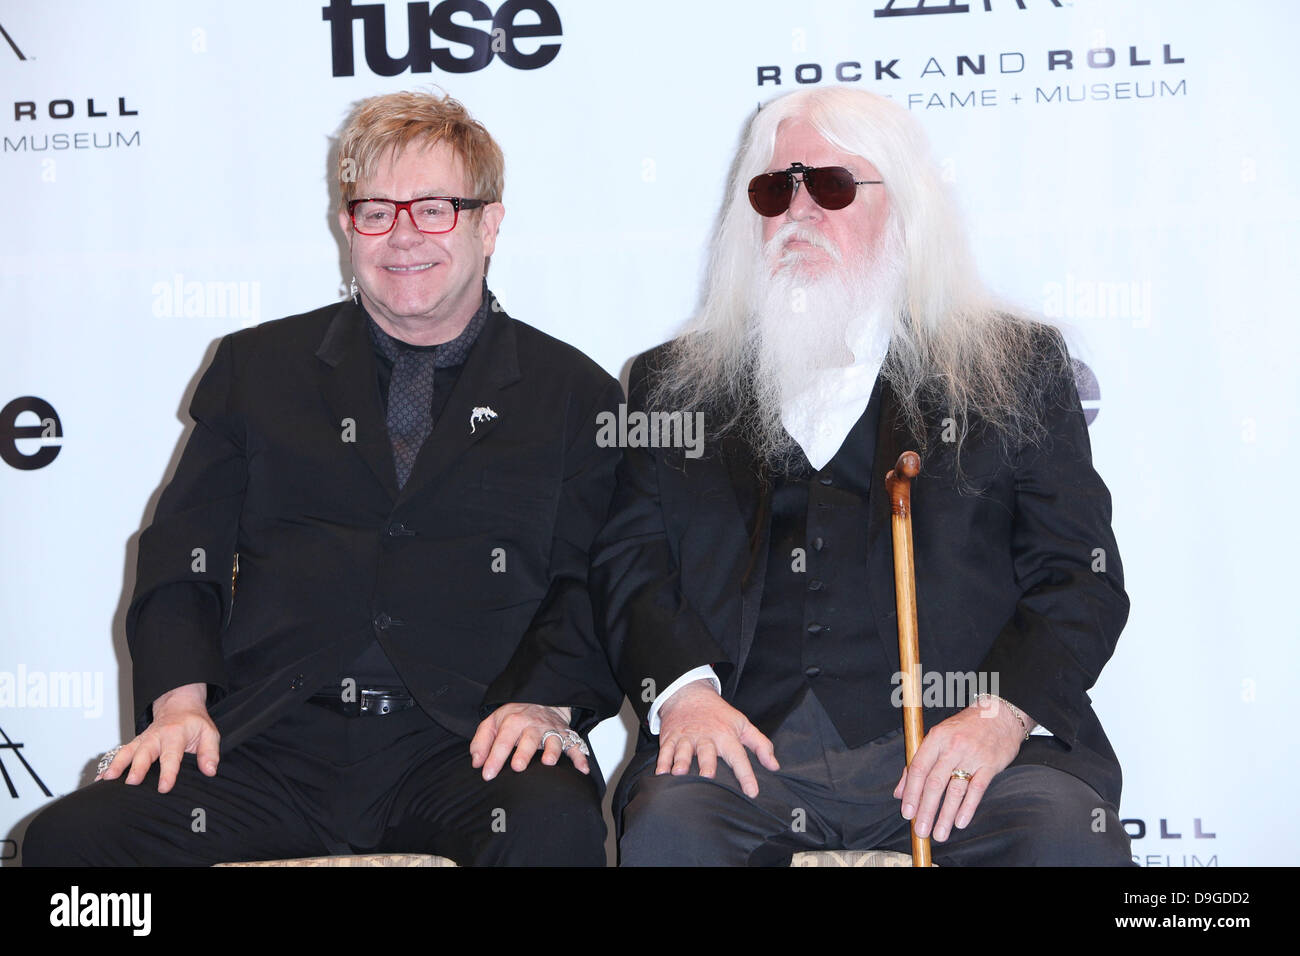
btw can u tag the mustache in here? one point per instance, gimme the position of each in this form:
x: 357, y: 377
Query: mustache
x: 774, y: 249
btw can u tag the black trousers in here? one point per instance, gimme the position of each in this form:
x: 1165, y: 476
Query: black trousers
x: 828, y: 797
x: 318, y: 783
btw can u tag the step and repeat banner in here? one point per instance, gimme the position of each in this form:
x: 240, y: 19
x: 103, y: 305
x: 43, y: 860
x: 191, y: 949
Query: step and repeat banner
x: 1125, y: 169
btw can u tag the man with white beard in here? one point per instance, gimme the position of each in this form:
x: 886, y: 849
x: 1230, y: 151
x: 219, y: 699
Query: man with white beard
x: 747, y: 595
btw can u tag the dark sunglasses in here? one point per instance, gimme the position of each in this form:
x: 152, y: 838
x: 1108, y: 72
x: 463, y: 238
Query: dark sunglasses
x: 831, y: 187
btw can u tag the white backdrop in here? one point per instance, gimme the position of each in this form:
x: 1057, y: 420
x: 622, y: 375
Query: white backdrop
x: 1143, y: 196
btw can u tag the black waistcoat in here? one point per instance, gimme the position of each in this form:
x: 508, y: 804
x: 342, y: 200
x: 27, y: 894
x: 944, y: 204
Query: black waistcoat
x: 816, y: 627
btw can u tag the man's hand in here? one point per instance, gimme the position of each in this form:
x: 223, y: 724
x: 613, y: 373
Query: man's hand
x: 983, y: 739
x: 181, y: 725
x: 697, y: 722
x: 520, y: 727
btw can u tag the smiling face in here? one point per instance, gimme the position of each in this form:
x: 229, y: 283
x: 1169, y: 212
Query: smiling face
x: 421, y: 288
x: 854, y: 231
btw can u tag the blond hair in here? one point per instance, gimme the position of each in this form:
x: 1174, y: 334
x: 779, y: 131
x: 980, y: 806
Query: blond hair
x: 382, y: 126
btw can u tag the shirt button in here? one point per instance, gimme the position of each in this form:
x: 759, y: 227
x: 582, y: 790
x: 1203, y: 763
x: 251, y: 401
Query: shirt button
x: 812, y: 671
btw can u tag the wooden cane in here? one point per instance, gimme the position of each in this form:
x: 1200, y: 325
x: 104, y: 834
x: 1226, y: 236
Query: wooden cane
x: 898, y: 485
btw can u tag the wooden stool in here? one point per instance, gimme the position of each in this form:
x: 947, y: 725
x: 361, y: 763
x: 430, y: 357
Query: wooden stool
x: 373, y: 859
x: 851, y: 858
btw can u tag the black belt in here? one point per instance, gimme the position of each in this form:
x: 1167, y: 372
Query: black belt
x: 369, y: 702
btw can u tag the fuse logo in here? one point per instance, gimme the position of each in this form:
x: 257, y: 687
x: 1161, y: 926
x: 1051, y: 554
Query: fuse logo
x: 42, y: 441
x: 425, y: 22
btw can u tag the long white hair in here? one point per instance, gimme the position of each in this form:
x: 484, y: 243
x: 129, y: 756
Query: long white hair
x: 954, y: 349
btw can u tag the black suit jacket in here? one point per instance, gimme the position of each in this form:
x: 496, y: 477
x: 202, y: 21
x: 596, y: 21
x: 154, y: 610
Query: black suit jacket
x: 1005, y: 578
x: 483, y: 553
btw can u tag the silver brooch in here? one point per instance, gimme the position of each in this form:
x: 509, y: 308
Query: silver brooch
x: 481, y: 413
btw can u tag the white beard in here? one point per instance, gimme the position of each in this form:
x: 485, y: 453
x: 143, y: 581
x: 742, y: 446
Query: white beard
x: 802, y: 325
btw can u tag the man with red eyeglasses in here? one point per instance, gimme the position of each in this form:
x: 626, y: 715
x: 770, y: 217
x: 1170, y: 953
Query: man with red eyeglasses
x: 406, y: 486
x: 747, y: 594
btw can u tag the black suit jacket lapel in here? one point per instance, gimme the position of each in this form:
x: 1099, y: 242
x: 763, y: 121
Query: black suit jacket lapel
x: 349, y: 381
x: 753, y: 493
x: 492, y: 366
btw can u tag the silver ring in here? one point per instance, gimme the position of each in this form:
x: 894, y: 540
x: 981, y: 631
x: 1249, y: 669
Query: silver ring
x: 568, y: 739
x: 961, y: 775
x: 106, y: 760
x: 573, y: 739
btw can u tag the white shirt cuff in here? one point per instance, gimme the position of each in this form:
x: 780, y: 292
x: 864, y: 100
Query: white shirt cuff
x: 700, y: 673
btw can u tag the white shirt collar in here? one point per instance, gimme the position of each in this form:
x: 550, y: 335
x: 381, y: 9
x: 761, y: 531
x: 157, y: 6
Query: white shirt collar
x: 821, y: 416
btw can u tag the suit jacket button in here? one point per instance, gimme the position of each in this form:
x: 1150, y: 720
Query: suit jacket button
x: 382, y: 621
x: 812, y: 671
x: 815, y: 628
x: 818, y: 544
x: 297, y: 682
x: 815, y: 585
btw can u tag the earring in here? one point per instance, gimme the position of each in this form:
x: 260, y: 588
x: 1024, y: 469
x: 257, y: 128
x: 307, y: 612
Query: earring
x: 353, y: 290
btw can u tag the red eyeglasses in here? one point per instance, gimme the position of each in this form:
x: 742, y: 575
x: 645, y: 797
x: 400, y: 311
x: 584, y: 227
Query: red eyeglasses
x: 431, y: 214
x: 831, y: 187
